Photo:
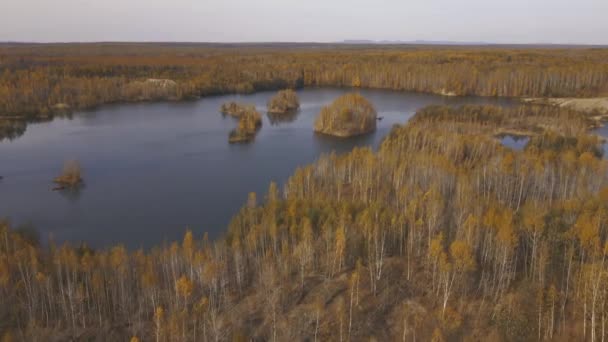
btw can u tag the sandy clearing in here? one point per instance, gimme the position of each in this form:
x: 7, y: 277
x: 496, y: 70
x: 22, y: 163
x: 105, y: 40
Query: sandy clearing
x: 599, y: 104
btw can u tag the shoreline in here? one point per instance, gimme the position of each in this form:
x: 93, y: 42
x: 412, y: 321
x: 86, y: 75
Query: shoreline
x: 597, y: 106
x: 584, y: 105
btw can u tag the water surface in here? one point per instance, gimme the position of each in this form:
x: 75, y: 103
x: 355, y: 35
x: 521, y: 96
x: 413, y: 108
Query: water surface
x: 515, y: 142
x: 603, y: 131
x: 152, y: 170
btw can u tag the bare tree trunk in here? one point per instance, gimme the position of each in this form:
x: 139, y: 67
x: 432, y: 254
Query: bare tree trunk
x: 316, y: 325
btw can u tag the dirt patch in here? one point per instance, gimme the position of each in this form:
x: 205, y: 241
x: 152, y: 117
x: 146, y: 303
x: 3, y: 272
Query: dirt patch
x: 599, y: 104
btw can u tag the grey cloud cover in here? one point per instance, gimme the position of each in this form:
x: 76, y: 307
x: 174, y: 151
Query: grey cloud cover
x: 514, y: 21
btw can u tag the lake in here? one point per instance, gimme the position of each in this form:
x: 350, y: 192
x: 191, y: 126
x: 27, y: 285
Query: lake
x: 151, y: 170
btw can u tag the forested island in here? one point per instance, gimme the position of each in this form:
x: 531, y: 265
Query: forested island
x: 348, y: 115
x: 284, y: 102
x: 249, y: 123
x: 236, y: 109
x: 442, y: 234
x: 41, y: 81
x: 70, y: 178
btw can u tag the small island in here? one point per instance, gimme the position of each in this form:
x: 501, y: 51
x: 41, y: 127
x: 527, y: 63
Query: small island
x: 70, y: 178
x: 284, y: 102
x: 250, y: 122
x: 349, y: 115
x: 236, y: 109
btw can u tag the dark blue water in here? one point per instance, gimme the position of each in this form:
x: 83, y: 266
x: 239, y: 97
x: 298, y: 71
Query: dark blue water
x: 153, y: 170
x: 515, y: 142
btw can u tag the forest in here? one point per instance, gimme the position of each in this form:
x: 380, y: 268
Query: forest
x: 284, y: 102
x: 442, y: 234
x: 249, y: 123
x: 41, y: 81
x: 349, y: 115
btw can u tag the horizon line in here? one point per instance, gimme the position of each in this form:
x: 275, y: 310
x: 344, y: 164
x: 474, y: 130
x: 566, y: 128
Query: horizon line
x: 342, y: 42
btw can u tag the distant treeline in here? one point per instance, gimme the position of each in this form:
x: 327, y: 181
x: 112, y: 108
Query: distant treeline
x: 40, y: 80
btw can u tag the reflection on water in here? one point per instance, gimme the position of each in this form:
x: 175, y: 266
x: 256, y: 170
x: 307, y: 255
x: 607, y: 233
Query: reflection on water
x: 72, y: 194
x: 152, y: 170
x: 11, y: 129
x: 277, y: 119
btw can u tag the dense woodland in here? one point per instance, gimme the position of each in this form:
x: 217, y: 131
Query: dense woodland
x: 39, y: 81
x: 284, y: 102
x: 443, y: 234
x: 348, y: 115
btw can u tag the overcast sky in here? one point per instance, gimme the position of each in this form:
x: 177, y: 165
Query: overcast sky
x: 498, y: 21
